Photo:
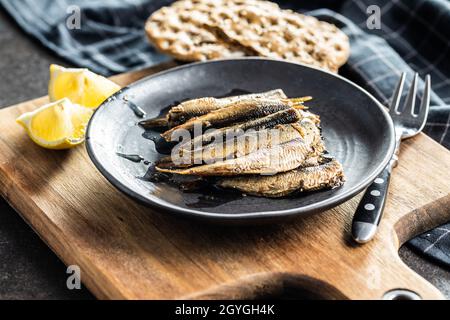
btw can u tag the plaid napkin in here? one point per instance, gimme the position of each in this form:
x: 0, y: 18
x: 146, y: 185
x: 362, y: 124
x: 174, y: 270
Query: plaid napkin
x: 411, y: 35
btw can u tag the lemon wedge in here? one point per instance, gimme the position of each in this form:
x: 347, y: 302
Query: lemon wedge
x: 81, y: 86
x: 58, y: 125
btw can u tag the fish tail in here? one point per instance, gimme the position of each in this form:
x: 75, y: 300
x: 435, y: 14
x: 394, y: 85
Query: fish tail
x: 299, y: 106
x: 167, y: 170
x: 154, y: 123
x: 300, y: 99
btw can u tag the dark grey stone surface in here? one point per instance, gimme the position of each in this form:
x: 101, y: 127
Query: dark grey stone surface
x: 28, y: 268
x: 438, y: 276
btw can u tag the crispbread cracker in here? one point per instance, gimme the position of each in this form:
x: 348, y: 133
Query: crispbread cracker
x: 180, y: 31
x: 210, y: 29
x: 284, y: 34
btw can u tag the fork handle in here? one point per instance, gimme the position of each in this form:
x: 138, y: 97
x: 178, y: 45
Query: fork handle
x: 370, y: 210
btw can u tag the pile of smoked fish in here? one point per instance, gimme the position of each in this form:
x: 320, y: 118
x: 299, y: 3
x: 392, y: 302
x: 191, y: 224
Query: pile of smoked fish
x: 262, y: 144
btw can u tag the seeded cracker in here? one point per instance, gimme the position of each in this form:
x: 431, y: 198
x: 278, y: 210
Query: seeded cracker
x: 195, y: 30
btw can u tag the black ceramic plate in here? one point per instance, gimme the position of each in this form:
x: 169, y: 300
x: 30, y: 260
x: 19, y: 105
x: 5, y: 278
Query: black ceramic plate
x: 357, y: 131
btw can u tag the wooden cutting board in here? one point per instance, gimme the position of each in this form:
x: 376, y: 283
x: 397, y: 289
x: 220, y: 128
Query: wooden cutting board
x: 129, y: 251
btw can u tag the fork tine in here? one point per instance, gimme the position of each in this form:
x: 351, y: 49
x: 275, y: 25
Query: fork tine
x: 425, y: 104
x: 397, y: 95
x: 411, y: 99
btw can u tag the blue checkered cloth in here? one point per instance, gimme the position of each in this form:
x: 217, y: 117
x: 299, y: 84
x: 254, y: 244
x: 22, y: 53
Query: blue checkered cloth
x: 413, y: 36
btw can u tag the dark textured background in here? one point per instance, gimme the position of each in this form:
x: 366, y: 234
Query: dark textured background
x: 28, y: 268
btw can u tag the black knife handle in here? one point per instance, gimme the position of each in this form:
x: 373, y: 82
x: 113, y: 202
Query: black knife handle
x: 370, y: 209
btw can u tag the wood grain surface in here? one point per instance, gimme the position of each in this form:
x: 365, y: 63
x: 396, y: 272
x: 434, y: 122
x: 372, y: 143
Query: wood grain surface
x: 127, y: 251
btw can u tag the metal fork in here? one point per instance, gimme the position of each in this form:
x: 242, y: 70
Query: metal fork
x: 407, y: 124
